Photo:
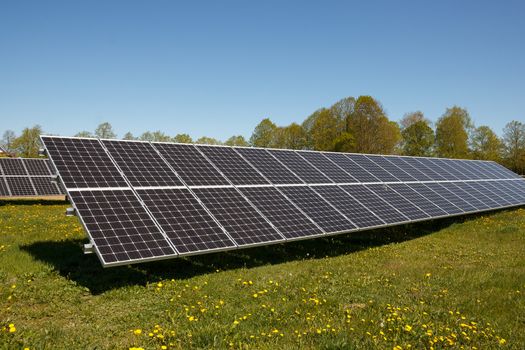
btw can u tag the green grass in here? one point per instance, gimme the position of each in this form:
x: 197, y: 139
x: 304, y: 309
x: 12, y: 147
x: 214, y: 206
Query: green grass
x: 442, y: 284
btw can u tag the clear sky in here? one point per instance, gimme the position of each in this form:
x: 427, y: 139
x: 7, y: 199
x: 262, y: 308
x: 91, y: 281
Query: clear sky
x: 217, y: 68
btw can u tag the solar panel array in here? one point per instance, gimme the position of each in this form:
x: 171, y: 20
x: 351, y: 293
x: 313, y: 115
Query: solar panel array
x: 141, y: 201
x: 27, y: 177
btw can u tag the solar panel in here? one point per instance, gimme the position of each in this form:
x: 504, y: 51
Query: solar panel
x: 490, y: 192
x: 512, y: 190
x: 467, y: 194
x: 402, y: 204
x: 425, y: 167
x: 233, y: 166
x: 45, y: 186
x: 320, y: 211
x: 37, y: 167
x: 368, y: 198
x: 145, y: 201
x: 20, y: 186
x: 184, y: 220
x: 4, y: 191
x: 141, y: 164
x: 83, y: 163
x: 191, y: 165
x: 361, y: 216
x: 288, y: 219
x: 12, y: 166
x: 351, y: 167
x: 418, y: 200
x: 240, y: 219
x: 446, y: 191
x: 373, y: 168
x: 300, y: 166
x: 446, y: 164
x: 327, y: 167
x: 435, y: 197
x: 120, y: 227
x: 391, y: 168
x: 502, y: 192
x: 267, y: 165
x: 408, y: 167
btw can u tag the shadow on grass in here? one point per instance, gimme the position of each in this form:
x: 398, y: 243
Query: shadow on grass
x: 68, y: 258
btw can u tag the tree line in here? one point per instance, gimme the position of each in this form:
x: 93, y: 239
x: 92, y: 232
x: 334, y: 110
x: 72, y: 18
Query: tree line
x: 358, y: 125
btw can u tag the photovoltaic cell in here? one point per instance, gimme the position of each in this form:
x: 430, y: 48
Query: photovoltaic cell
x: 503, y: 172
x: 391, y: 168
x: 233, y: 166
x: 409, y: 167
x: 327, y: 167
x: 4, y: 192
x: 184, y: 220
x: 20, y: 186
x: 37, y: 167
x: 289, y: 220
x: 397, y: 201
x: 141, y: 164
x: 83, y: 163
x: 300, y: 167
x: 517, y: 193
x: 243, y: 223
x: 350, y: 207
x: 12, y: 166
x: 435, y: 197
x: 470, y: 172
x: 373, y: 168
x: 483, y: 194
x: 375, y: 203
x: 120, y: 227
x: 191, y: 165
x: 267, y: 165
x: 438, y: 167
x: 468, y: 194
x: 352, y: 167
x: 317, y: 209
x: 418, y: 199
x: 45, y: 187
x: 448, y: 193
x: 447, y: 166
x: 426, y: 167
x: 501, y: 191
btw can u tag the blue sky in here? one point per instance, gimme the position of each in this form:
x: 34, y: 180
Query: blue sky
x: 217, y: 68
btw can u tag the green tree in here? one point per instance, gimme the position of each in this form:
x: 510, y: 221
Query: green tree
x: 128, y: 136
x: 237, y: 140
x: 182, y: 138
x: 7, y: 140
x: 417, y: 135
x: 83, y: 134
x: 486, y: 145
x: 105, y: 131
x: 371, y: 129
x: 514, y: 142
x: 452, y: 133
x: 263, y: 134
x: 147, y: 136
x: 159, y: 136
x: 292, y: 136
x: 324, y: 131
x: 28, y: 143
x: 342, y: 110
x: 208, y: 141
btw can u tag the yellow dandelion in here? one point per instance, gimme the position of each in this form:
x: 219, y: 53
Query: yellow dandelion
x: 137, y: 331
x: 408, y: 328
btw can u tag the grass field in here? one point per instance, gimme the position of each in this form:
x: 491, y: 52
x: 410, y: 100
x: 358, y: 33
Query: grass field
x: 443, y: 284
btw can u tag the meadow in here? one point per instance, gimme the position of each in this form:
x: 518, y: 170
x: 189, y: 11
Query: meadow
x: 451, y: 283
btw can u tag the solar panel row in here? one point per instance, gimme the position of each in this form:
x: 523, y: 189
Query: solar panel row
x: 138, y: 200
x: 27, y: 177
